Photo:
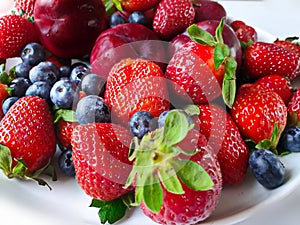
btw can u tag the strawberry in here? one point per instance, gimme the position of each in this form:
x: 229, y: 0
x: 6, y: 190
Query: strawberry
x: 3, y: 95
x: 64, y: 132
x: 173, y: 17
x: 282, y: 86
x: 245, y: 33
x: 260, y: 114
x: 27, y: 138
x: 15, y: 32
x: 25, y: 6
x: 137, y: 5
x: 262, y: 59
x: 136, y: 85
x: 224, y: 137
x: 289, y: 44
x: 100, y: 156
x: 293, y: 109
x: 171, y: 186
x: 203, y: 68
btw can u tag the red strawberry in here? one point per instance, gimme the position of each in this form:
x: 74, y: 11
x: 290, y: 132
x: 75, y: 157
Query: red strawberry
x: 138, y: 5
x: 245, y: 33
x: 136, y: 85
x: 262, y: 59
x: 15, y: 33
x: 224, y: 137
x: 25, y: 6
x: 293, y: 109
x: 27, y: 131
x: 289, y: 44
x: 173, y: 17
x: 259, y: 113
x: 282, y: 86
x: 3, y: 95
x: 64, y: 130
x: 199, y: 71
x: 100, y: 156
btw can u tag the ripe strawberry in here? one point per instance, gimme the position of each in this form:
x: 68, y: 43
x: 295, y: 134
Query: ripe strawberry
x: 100, y: 156
x: 64, y: 130
x: 138, y: 5
x: 245, y: 33
x: 27, y: 132
x: 25, y: 6
x: 173, y: 17
x: 224, y: 137
x: 282, y: 86
x: 3, y: 95
x: 15, y: 33
x: 136, y: 85
x: 259, y: 113
x: 200, y: 71
x: 262, y: 59
x: 289, y: 44
x: 293, y: 109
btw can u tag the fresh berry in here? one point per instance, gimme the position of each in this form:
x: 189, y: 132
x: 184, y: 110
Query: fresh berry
x: 267, y: 168
x: 100, y: 157
x: 19, y: 86
x: 138, y: 5
x: 279, y: 84
x: 25, y: 6
x: 44, y: 71
x: 116, y: 19
x: 224, y: 137
x: 64, y: 93
x: 64, y: 71
x: 65, y: 163
x: 64, y: 130
x: 92, y: 84
x: 78, y: 71
x: 33, y: 53
x: 92, y: 109
x: 290, y: 139
x: 138, y: 17
x: 172, y: 17
x: 142, y: 122
x: 293, y: 109
x: 22, y: 70
x: 136, y: 85
x: 208, y: 10
x: 16, y: 32
x: 162, y: 117
x: 3, y: 94
x: 289, y: 44
x: 259, y: 113
x: 28, y: 128
x: 41, y: 89
x: 7, y: 103
x: 245, y: 33
x: 262, y: 59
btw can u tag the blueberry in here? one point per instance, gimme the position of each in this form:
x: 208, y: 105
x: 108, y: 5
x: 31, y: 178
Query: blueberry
x: 65, y: 71
x: 290, y: 139
x: 78, y: 71
x: 92, y: 109
x: 22, y: 70
x: 40, y: 89
x: 7, y: 103
x: 64, y: 93
x: 138, y: 17
x: 65, y: 163
x: 267, y: 168
x: 162, y: 117
x: 116, y: 19
x: 19, y: 86
x: 33, y: 53
x: 92, y: 84
x: 141, y: 123
x: 44, y: 71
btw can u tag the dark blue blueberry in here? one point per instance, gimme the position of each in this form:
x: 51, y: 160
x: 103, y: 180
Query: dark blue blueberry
x: 65, y: 71
x: 138, y: 17
x: 290, y: 139
x: 162, y: 117
x: 267, y: 168
x: 44, y: 71
x: 40, y: 89
x: 19, y: 86
x: 64, y: 93
x: 116, y: 19
x: 78, y: 71
x: 92, y: 84
x: 65, y: 163
x: 33, y: 53
x: 7, y: 103
x: 22, y: 70
x: 141, y: 123
x: 92, y: 109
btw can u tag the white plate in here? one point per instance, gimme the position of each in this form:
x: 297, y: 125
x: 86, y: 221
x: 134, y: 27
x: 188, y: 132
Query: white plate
x: 26, y: 203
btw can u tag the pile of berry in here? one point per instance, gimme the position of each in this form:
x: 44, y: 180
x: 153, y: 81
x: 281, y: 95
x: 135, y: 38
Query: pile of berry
x: 157, y: 103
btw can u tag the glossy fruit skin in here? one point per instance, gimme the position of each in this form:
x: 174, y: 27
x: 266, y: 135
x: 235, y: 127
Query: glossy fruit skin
x: 19, y: 86
x: 69, y: 28
x: 142, y: 122
x: 13, y: 26
x: 65, y: 163
x: 64, y: 131
x: 138, y: 17
x: 267, y: 168
x: 192, y: 206
x: 7, y: 103
x: 262, y: 59
x: 33, y: 53
x: 3, y: 94
x: 116, y: 19
x: 208, y: 10
x: 172, y: 17
x: 293, y: 109
x: 138, y: 5
x: 256, y: 110
x: 244, y: 32
x: 136, y: 85
x: 289, y: 45
x: 78, y: 71
x: 290, y: 139
x: 108, y: 144
x: 28, y: 128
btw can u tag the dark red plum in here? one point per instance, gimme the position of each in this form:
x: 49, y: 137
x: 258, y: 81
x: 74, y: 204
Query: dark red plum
x: 208, y: 10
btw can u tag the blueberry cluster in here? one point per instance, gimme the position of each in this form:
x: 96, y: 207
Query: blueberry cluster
x: 135, y: 17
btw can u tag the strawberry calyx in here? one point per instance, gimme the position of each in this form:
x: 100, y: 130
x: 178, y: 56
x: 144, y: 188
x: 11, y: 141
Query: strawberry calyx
x: 68, y: 115
x: 6, y: 77
x: 222, y: 55
x: 20, y: 170
x: 159, y: 162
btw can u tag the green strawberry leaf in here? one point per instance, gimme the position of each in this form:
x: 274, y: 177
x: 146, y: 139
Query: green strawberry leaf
x: 170, y: 180
x: 153, y: 194
x: 6, y: 78
x: 193, y: 175
x: 219, y: 31
x: 192, y: 110
x: 20, y: 169
x: 5, y: 160
x: 110, y: 7
x: 65, y: 114
x: 229, y: 82
x: 221, y: 53
x: 200, y: 36
x: 118, y: 5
